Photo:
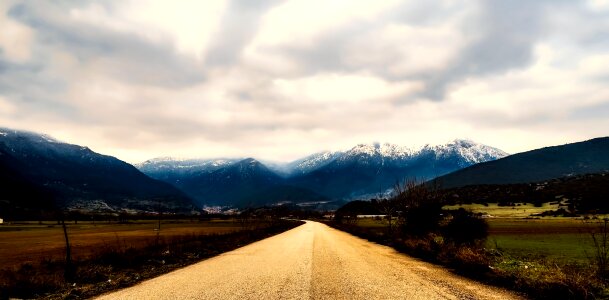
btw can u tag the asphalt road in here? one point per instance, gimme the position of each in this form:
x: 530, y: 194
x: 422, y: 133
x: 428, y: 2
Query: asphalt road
x: 312, y: 261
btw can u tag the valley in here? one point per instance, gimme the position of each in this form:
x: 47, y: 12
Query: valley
x: 462, y: 205
x: 302, y: 149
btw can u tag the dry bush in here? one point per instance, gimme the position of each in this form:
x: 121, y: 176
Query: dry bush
x: 600, y: 238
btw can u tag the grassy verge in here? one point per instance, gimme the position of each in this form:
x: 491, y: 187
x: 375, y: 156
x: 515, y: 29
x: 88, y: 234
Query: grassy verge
x: 115, y: 266
x: 536, y: 276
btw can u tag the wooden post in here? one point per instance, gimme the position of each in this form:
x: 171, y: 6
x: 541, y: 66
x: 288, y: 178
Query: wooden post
x: 69, y: 270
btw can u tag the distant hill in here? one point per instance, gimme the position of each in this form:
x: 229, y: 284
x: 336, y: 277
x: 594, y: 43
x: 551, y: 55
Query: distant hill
x: 229, y: 185
x: 590, y: 156
x: 585, y: 193
x: 50, y: 172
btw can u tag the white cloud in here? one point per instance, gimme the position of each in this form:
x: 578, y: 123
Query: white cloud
x: 406, y: 50
x: 6, y: 107
x: 280, y: 80
x: 189, y: 26
x: 343, y: 88
x: 15, y: 38
x: 297, y: 23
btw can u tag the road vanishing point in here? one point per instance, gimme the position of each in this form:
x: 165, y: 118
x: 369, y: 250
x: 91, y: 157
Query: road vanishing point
x: 312, y: 261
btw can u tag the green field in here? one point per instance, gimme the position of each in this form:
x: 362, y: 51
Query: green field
x: 513, y: 231
x: 564, y: 239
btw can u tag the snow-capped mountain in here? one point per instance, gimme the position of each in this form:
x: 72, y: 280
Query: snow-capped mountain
x: 377, y: 154
x: 365, y: 169
x: 312, y: 162
x: 374, y: 168
x: 168, y: 164
x: 467, y: 151
x: 463, y: 152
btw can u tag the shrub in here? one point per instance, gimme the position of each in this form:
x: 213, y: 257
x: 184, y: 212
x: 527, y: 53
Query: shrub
x: 465, y: 228
x: 423, y: 219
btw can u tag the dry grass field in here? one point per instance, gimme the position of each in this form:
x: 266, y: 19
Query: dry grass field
x: 33, y: 242
x: 495, y: 211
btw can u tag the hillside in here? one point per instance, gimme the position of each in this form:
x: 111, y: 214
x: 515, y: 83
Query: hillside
x: 590, y: 156
x: 18, y: 195
x: 585, y: 193
x: 231, y: 184
x: 80, y: 178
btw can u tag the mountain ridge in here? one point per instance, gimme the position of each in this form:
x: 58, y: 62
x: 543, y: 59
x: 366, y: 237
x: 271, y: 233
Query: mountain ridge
x: 590, y: 156
x: 78, y: 176
x: 329, y: 175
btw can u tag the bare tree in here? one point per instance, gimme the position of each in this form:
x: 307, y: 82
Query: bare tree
x: 600, y: 238
x: 388, y: 208
x: 418, y: 206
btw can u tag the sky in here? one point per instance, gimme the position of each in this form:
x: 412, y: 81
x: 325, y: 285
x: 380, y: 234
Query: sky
x: 278, y: 80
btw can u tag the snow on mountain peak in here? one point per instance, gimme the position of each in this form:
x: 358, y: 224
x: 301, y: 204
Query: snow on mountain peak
x: 311, y: 162
x: 32, y: 136
x: 186, y: 165
x: 470, y: 151
x: 385, y: 150
x: 466, y: 151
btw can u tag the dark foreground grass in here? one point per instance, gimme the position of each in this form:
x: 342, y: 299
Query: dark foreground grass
x: 117, y: 266
x: 538, y: 278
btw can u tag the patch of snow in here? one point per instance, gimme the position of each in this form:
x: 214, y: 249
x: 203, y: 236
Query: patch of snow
x: 471, y: 152
x: 183, y: 165
x: 466, y: 152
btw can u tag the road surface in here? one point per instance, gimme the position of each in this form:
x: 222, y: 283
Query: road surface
x: 312, y: 261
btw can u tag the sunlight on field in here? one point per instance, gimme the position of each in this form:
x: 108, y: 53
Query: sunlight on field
x: 494, y: 210
x: 31, y: 241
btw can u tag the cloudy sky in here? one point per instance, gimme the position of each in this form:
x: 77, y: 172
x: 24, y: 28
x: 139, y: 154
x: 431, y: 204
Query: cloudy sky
x: 281, y: 79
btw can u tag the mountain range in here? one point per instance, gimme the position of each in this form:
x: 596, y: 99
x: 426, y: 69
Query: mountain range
x: 363, y: 171
x: 41, y: 173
